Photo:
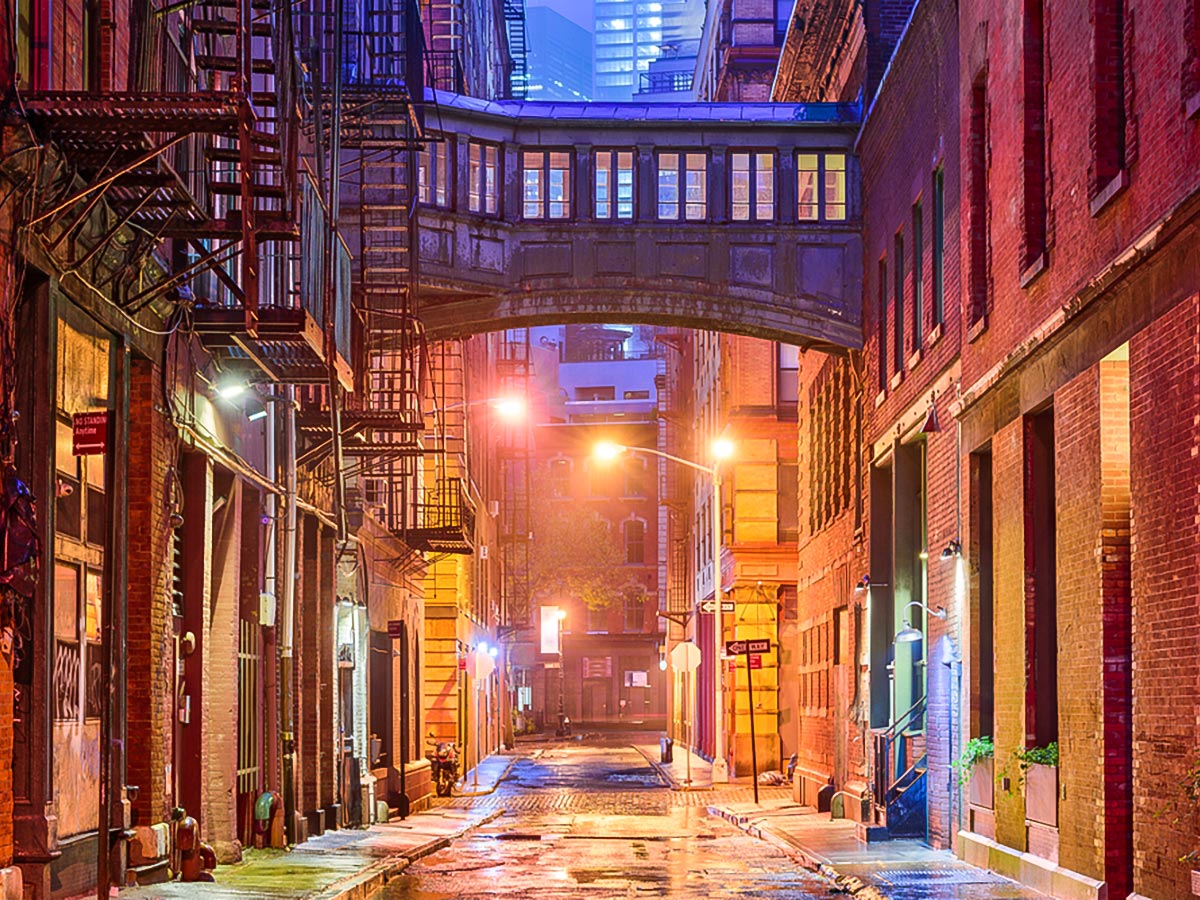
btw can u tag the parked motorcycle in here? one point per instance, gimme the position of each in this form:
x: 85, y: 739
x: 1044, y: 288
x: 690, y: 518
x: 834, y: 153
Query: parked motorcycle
x: 444, y: 760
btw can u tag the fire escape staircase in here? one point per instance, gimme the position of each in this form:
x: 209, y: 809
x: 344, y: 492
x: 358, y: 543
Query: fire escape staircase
x: 900, y: 781
x: 514, y: 18
x: 203, y: 153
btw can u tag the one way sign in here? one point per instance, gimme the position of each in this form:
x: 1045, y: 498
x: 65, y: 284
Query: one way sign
x: 708, y: 606
x: 737, y: 648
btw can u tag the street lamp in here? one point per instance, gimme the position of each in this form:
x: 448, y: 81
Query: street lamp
x: 721, y: 450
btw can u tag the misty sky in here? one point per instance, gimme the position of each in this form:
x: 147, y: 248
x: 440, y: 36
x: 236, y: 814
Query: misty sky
x: 578, y: 11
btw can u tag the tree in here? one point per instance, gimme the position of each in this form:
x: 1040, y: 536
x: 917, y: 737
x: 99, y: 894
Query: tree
x: 576, y: 552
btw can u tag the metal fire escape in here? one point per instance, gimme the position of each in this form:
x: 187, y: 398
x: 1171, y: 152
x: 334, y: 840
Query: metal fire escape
x: 199, y: 148
x: 514, y: 19
x: 514, y: 370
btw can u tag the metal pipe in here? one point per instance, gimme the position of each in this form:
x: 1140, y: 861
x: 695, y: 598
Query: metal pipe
x: 288, y: 611
x: 720, y: 765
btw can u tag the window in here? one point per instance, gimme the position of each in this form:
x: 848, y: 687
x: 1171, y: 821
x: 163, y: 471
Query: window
x: 831, y: 439
x: 433, y: 174
x: 560, y: 477
x: 1033, y: 237
x: 918, y: 275
x: 634, y: 612
x: 546, y: 184
x: 483, y: 168
x: 637, y: 395
x: 682, y: 177
x: 788, y: 487
x: 752, y: 185
x: 1108, y: 92
x: 1041, y: 623
x: 939, y: 245
x: 597, y: 620
x: 607, y: 392
x: 829, y: 171
x: 883, y: 302
x: 898, y: 302
x: 635, y: 541
x: 635, y: 477
x: 978, y: 236
x: 808, y: 169
x: 614, y: 184
x: 835, y: 186
x: 788, y: 376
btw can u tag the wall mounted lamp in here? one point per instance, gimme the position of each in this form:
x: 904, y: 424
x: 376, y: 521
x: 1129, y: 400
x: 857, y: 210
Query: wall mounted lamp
x: 952, y: 549
x: 908, y: 634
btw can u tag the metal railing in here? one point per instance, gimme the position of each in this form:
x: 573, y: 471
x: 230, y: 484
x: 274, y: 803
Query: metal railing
x: 891, y: 753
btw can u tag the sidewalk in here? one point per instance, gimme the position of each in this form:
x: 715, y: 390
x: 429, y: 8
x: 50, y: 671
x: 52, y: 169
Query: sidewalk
x: 868, y: 871
x: 675, y: 773
x: 347, y: 864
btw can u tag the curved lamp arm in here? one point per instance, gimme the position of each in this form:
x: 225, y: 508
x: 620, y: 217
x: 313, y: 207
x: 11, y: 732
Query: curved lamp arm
x: 908, y: 634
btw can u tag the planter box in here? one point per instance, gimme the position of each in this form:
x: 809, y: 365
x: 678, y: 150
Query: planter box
x: 981, y: 789
x: 1041, y: 795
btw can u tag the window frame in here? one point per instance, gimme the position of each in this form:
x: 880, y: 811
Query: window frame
x: 545, y: 171
x: 477, y: 182
x: 431, y: 192
x: 682, y: 170
x: 821, y: 187
x: 752, y: 172
x: 630, y: 544
x: 614, y: 201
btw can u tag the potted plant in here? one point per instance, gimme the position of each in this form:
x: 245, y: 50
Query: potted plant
x: 976, y: 769
x: 1039, y: 766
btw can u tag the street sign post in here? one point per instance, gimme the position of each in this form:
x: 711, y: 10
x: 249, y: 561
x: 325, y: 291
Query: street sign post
x: 710, y: 606
x: 752, y: 650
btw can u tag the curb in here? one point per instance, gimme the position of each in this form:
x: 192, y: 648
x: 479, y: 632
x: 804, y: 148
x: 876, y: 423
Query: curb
x: 364, y: 883
x: 666, y: 776
x: 809, y: 859
x: 483, y: 793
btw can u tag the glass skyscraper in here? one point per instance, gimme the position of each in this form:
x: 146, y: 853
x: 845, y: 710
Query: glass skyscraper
x: 630, y: 34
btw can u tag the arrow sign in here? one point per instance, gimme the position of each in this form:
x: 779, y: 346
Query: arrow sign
x: 736, y: 648
x: 709, y: 606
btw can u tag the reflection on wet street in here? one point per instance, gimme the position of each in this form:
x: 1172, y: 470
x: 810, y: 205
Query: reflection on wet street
x: 597, y: 821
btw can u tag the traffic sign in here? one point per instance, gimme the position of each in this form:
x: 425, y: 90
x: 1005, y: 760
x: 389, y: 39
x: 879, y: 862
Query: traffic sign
x: 89, y: 433
x: 755, y: 660
x: 736, y: 648
x: 709, y: 606
x: 395, y: 628
x: 685, y: 657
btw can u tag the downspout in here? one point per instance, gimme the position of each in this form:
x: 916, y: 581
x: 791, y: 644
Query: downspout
x: 288, y: 611
x: 270, y: 575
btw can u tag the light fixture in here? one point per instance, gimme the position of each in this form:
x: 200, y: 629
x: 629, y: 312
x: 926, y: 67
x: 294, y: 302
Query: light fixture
x: 511, y: 408
x: 722, y: 449
x: 607, y: 451
x: 255, y: 409
x: 924, y: 554
x: 493, y: 652
x: 562, y: 614
x: 864, y: 584
x: 910, y: 635
x: 483, y: 647
x: 930, y: 425
x: 953, y: 549
x: 662, y: 665
x: 231, y: 389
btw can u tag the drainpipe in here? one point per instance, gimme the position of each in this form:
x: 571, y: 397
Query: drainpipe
x: 288, y: 612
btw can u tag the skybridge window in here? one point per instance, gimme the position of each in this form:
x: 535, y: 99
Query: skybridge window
x: 682, y: 183
x: 546, y: 184
x: 752, y: 184
x: 433, y: 174
x: 821, y: 187
x: 614, y: 184
x: 483, y: 176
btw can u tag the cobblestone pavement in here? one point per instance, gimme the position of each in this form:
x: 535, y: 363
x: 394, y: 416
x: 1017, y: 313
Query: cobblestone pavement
x: 598, y: 822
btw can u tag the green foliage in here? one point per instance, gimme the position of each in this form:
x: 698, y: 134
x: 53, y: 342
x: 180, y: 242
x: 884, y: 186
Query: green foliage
x: 576, y: 553
x: 976, y: 749
x: 1037, y: 756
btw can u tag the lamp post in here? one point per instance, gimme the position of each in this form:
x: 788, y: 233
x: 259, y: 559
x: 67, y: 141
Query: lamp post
x: 562, y: 668
x: 722, y: 449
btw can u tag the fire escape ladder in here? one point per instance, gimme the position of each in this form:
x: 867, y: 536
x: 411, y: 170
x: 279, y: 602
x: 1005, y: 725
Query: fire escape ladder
x: 514, y: 373
x: 514, y: 18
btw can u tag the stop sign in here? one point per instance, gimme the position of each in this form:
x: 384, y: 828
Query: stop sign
x: 685, y: 657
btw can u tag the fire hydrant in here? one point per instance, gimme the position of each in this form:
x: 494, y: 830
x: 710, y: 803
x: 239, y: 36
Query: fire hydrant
x: 195, y: 856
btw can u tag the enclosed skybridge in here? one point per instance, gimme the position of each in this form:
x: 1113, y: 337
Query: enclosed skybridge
x: 742, y: 218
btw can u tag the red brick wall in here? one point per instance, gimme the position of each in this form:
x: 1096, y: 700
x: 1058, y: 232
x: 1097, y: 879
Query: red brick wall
x: 151, y: 665
x: 1164, y: 371
x: 6, y: 754
x: 1163, y: 153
